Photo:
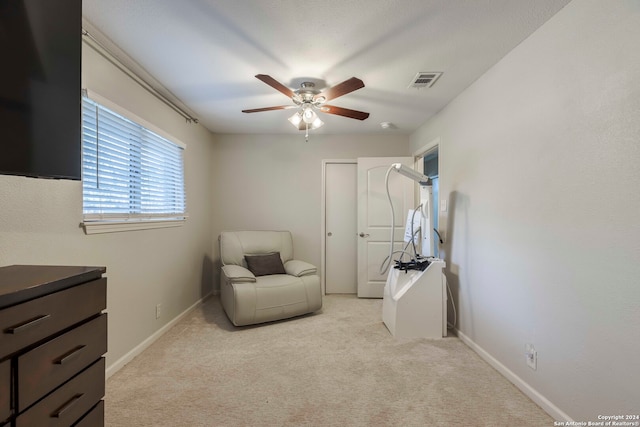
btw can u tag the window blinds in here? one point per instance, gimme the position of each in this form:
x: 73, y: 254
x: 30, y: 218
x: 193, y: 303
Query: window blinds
x: 128, y: 171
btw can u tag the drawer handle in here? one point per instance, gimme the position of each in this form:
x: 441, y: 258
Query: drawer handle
x: 69, y: 355
x: 64, y: 408
x: 26, y: 325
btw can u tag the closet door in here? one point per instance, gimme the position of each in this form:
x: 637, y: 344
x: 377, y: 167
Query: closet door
x: 341, y: 228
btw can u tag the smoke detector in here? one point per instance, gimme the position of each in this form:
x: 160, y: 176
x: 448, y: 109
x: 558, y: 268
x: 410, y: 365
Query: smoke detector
x: 424, y: 79
x: 388, y: 125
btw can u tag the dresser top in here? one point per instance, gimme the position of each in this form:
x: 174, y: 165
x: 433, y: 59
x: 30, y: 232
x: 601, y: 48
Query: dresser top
x: 20, y: 283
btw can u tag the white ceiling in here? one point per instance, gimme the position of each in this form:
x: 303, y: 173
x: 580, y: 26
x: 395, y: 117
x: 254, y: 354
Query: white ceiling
x: 207, y: 52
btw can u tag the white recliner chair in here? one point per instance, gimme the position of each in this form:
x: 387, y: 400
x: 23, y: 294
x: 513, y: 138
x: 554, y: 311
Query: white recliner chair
x: 260, y: 280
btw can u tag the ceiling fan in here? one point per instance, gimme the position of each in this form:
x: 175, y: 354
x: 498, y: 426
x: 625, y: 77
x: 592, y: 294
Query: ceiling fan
x: 307, y: 100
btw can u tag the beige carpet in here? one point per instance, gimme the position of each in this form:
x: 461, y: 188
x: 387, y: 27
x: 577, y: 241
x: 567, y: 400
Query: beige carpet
x: 339, y: 367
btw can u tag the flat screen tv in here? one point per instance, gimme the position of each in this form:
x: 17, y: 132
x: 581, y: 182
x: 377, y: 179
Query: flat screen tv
x: 40, y: 88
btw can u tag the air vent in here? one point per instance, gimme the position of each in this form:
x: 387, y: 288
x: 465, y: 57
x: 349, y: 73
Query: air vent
x: 424, y: 79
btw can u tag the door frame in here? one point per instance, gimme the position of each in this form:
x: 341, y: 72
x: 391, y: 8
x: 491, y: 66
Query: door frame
x: 323, y: 219
x: 418, y: 155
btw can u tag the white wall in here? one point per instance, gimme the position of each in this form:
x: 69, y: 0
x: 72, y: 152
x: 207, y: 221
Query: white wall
x: 274, y: 182
x: 540, y: 163
x: 39, y: 224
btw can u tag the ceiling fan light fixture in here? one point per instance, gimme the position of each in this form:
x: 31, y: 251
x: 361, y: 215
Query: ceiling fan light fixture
x: 308, y: 115
x: 316, y: 123
x: 296, y: 119
x: 299, y: 117
x: 307, y: 100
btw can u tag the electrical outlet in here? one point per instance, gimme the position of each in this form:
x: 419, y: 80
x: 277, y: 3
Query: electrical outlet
x: 158, y: 309
x: 532, y: 356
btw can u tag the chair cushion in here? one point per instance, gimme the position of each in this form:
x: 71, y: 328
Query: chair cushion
x: 236, y: 273
x: 265, y: 265
x: 299, y: 268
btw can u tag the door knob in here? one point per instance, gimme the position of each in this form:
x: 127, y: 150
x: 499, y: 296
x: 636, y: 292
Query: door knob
x: 363, y: 235
x: 329, y: 234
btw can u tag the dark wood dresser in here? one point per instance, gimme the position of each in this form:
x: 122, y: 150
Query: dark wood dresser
x: 53, y: 335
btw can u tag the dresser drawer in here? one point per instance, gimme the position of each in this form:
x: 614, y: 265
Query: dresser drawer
x: 47, y: 366
x: 95, y: 417
x: 29, y: 322
x: 68, y: 403
x: 5, y: 390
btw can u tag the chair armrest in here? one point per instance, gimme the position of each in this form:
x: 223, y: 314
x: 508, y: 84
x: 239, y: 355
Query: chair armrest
x: 299, y: 268
x: 237, y: 273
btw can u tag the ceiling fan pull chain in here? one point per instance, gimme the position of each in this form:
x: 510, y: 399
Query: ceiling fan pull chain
x: 306, y: 135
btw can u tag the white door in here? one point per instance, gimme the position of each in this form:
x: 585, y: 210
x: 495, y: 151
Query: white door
x: 374, y: 218
x: 340, y: 224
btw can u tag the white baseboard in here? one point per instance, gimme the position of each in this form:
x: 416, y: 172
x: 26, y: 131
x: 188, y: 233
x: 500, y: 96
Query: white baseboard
x: 529, y: 391
x: 120, y: 363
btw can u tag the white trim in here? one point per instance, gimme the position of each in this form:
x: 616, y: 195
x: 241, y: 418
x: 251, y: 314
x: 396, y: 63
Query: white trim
x: 126, y: 217
x: 551, y: 409
x: 120, y: 363
x: 420, y: 152
x: 104, y: 101
x: 323, y: 219
x: 99, y: 227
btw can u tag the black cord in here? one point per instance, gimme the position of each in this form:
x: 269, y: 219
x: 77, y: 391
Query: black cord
x: 439, y: 237
x: 413, y: 234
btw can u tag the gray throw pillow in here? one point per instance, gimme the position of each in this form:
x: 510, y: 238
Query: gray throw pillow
x: 264, y: 265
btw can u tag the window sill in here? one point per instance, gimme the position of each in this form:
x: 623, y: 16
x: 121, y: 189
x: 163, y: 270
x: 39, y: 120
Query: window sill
x: 99, y: 227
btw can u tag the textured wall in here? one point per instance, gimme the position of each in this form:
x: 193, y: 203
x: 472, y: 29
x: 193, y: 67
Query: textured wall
x: 275, y: 181
x: 39, y: 224
x: 539, y: 163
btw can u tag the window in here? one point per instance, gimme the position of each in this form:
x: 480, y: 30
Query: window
x: 132, y: 178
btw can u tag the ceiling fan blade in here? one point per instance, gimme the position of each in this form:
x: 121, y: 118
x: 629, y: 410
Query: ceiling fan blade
x: 279, y: 107
x: 352, y: 114
x: 275, y: 84
x: 340, y: 89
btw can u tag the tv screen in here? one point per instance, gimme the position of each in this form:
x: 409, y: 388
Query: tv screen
x: 40, y: 93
